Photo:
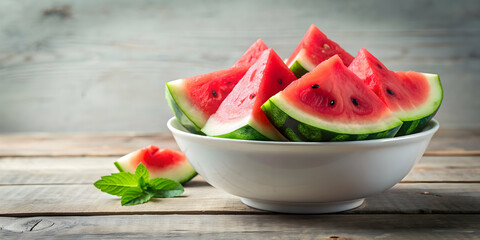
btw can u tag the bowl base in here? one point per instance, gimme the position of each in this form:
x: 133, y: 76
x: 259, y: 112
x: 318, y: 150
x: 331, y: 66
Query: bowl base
x: 301, y: 207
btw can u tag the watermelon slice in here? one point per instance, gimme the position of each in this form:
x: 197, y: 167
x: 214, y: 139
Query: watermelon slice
x: 161, y: 163
x: 413, y: 97
x: 315, y: 48
x: 252, y: 54
x: 239, y: 116
x: 194, y: 99
x: 330, y: 104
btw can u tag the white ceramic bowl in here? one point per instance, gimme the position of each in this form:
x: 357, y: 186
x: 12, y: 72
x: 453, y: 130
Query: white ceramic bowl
x: 302, y: 177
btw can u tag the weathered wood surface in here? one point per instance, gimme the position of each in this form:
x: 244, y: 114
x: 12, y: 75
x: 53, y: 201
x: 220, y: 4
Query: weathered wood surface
x: 46, y: 144
x: 100, y: 65
x: 63, y: 185
x: 201, y: 198
x: 86, y: 170
x: 381, y: 226
x: 445, y: 142
x: 46, y: 192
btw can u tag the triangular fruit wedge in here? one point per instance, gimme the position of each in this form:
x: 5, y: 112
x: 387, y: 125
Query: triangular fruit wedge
x: 239, y: 116
x: 315, y: 48
x: 330, y: 103
x: 161, y: 163
x: 413, y: 97
x: 194, y: 99
x: 252, y: 54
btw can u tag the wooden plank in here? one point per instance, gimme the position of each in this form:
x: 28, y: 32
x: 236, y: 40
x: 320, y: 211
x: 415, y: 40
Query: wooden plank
x: 201, y: 198
x: 80, y: 144
x: 86, y: 170
x: 382, y: 226
x: 445, y: 169
x: 445, y: 142
x: 455, y: 142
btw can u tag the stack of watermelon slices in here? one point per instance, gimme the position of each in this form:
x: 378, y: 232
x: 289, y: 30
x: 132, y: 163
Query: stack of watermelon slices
x: 336, y: 97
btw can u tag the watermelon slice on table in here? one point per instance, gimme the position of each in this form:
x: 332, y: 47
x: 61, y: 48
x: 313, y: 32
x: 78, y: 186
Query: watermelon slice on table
x: 194, y: 99
x: 330, y: 103
x: 239, y: 116
x: 413, y: 97
x: 161, y: 163
x: 315, y: 48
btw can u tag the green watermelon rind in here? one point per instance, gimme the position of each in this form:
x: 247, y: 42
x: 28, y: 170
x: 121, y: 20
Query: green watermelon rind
x: 188, y: 177
x: 246, y: 132
x: 415, y: 120
x: 186, y: 113
x: 416, y: 126
x: 301, y: 65
x: 242, y: 129
x: 298, y: 69
x: 297, y: 128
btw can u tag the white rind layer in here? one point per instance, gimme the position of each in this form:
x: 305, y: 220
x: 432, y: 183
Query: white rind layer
x: 303, y: 60
x: 430, y: 106
x: 213, y: 127
x: 388, y: 121
x: 178, y: 93
x: 268, y: 131
x: 217, y: 128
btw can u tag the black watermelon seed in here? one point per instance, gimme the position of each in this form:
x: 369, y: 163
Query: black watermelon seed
x: 379, y: 66
x: 252, y: 95
x: 354, y: 101
x: 280, y: 81
x: 214, y: 93
x: 315, y: 86
x: 332, y: 102
x: 390, y: 92
x: 229, y: 82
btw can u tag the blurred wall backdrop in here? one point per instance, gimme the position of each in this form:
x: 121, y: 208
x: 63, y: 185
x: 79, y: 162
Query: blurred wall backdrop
x: 101, y: 65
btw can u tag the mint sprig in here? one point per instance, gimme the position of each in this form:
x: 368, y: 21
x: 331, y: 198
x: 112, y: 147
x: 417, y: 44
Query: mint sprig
x: 138, y: 188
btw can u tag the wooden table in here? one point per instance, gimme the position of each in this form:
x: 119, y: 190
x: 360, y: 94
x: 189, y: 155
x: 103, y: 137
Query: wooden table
x: 46, y: 192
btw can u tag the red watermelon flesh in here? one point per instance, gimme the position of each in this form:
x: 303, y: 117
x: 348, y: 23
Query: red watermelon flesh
x: 207, y: 91
x: 264, y: 79
x: 399, y: 93
x: 331, y: 91
x: 163, y: 163
x: 220, y: 83
x: 413, y: 97
x: 315, y: 48
x: 194, y: 99
x: 252, y: 54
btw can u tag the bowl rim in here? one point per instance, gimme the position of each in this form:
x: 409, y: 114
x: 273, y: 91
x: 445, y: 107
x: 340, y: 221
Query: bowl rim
x: 434, y: 126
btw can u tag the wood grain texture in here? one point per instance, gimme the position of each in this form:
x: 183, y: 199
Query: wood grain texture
x: 445, y: 142
x: 81, y: 144
x: 101, y: 65
x: 87, y: 170
x: 382, y: 226
x: 201, y: 198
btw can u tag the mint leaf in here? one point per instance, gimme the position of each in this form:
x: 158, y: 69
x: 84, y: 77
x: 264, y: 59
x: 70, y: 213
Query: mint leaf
x: 166, y: 188
x: 142, y: 172
x: 134, y: 196
x: 137, y: 188
x: 117, y: 183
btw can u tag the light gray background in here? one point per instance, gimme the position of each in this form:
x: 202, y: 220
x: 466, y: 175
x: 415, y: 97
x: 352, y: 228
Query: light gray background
x: 98, y: 65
